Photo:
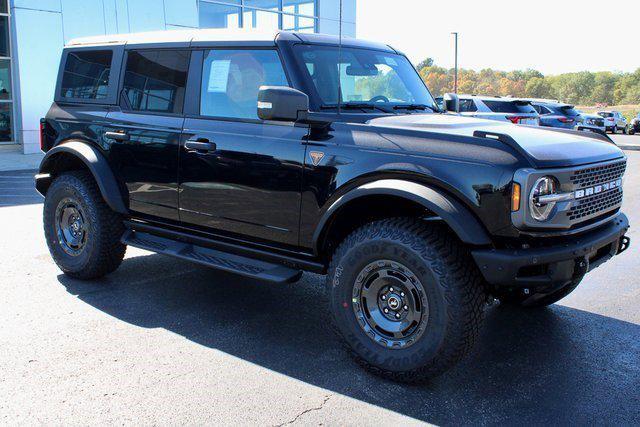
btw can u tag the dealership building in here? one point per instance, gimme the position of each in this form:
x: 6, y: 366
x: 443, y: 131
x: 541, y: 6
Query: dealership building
x: 33, y: 33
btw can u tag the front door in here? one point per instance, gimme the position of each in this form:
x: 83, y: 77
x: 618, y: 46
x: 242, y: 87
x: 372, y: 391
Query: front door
x: 241, y: 176
x: 144, y: 133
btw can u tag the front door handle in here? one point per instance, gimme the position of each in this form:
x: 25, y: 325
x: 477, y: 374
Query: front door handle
x: 200, y: 145
x: 118, y: 136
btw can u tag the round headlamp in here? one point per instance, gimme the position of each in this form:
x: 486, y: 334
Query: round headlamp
x: 540, y: 208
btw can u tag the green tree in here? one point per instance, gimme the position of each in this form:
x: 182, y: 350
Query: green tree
x: 424, y: 64
x: 538, y: 87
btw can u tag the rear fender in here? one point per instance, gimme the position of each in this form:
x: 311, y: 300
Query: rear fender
x: 55, y: 159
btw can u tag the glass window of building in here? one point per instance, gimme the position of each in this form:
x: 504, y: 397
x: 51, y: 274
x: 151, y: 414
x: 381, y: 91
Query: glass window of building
x: 6, y: 88
x: 155, y: 80
x: 293, y: 15
x: 231, y: 80
x: 217, y: 15
x: 263, y: 4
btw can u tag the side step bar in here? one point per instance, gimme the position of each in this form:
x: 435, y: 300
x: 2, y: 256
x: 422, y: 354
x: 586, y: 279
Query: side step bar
x: 224, y: 261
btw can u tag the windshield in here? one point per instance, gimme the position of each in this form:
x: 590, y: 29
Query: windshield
x: 605, y: 114
x: 384, y: 80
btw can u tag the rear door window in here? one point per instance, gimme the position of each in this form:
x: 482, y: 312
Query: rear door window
x: 231, y: 80
x: 86, y: 75
x: 155, y: 80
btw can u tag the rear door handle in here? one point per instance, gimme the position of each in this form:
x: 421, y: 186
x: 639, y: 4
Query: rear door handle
x: 118, y: 136
x: 200, y: 145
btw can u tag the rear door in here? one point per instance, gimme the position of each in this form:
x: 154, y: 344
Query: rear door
x: 144, y: 130
x: 239, y: 176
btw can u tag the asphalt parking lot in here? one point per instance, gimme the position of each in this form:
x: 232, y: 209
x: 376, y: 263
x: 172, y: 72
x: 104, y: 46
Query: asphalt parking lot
x: 161, y: 341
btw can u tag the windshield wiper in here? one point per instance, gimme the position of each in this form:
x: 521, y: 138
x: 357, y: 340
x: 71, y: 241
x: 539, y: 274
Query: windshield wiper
x: 421, y: 107
x: 358, y: 106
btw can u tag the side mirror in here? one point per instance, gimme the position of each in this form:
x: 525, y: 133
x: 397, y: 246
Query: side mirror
x: 282, y: 103
x: 451, y: 102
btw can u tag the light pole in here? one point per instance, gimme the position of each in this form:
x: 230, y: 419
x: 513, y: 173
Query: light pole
x: 455, y: 71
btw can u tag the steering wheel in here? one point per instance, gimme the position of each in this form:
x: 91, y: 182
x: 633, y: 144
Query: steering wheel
x: 379, y: 98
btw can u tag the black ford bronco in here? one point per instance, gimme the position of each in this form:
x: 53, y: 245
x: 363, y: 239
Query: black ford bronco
x: 267, y: 156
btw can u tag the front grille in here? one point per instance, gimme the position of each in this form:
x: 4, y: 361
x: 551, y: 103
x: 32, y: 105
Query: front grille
x: 597, y: 175
x: 595, y: 204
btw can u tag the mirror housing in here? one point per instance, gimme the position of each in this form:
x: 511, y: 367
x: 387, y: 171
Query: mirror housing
x: 451, y: 102
x: 282, y: 103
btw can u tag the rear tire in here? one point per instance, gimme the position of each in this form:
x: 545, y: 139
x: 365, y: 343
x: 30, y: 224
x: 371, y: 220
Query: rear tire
x: 431, y: 285
x: 614, y: 130
x: 82, y: 232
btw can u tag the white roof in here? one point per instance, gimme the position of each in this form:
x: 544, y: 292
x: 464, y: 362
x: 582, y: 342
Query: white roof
x: 176, y: 36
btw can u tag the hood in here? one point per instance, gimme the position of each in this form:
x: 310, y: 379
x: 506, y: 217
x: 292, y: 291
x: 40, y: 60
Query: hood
x: 543, y: 147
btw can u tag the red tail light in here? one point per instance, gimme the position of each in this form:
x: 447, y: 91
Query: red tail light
x: 42, y: 124
x: 565, y: 120
x: 515, y: 119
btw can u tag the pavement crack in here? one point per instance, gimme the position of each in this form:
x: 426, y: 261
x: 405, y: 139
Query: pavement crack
x: 306, y: 411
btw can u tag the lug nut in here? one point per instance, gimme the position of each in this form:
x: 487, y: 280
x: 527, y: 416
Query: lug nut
x: 390, y: 289
x: 397, y: 315
x: 386, y: 310
x: 406, y: 307
x: 402, y: 294
x: 384, y: 297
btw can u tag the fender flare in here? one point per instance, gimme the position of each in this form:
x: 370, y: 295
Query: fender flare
x: 94, y: 161
x: 461, y: 220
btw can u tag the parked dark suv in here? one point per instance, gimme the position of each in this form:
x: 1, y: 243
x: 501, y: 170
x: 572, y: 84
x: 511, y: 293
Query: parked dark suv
x: 269, y: 156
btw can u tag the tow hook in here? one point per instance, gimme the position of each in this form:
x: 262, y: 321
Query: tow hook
x: 624, y: 244
x: 582, y: 267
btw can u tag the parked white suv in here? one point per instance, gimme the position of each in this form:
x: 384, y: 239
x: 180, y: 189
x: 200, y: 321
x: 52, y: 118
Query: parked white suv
x: 502, y: 109
x: 614, y: 121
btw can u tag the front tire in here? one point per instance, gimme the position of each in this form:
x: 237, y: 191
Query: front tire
x: 406, y: 298
x: 82, y: 232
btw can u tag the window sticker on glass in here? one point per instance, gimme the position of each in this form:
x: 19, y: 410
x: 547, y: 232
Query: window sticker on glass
x: 219, y: 76
x: 390, y: 61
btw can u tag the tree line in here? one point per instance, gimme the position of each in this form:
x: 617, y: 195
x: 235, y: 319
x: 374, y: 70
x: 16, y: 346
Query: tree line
x: 582, y: 88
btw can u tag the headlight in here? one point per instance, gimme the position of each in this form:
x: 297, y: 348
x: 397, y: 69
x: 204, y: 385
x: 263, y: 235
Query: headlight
x: 540, y: 208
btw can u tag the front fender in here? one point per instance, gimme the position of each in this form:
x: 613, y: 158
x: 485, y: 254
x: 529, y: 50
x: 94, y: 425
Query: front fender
x: 455, y: 214
x: 94, y: 161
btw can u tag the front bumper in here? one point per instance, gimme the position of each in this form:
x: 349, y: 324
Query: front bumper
x: 550, y: 267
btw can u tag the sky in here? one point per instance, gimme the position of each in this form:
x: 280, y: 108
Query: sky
x: 551, y: 36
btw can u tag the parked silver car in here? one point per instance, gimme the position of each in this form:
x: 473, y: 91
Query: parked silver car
x: 614, y: 121
x: 516, y: 111
x: 590, y: 122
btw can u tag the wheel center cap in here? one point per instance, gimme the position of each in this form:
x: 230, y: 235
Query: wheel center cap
x: 394, y: 302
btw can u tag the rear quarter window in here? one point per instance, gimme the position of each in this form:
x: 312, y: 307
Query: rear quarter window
x: 86, y: 75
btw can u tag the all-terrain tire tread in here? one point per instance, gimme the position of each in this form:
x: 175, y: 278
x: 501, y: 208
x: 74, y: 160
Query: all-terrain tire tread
x: 460, y: 279
x: 109, y: 225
